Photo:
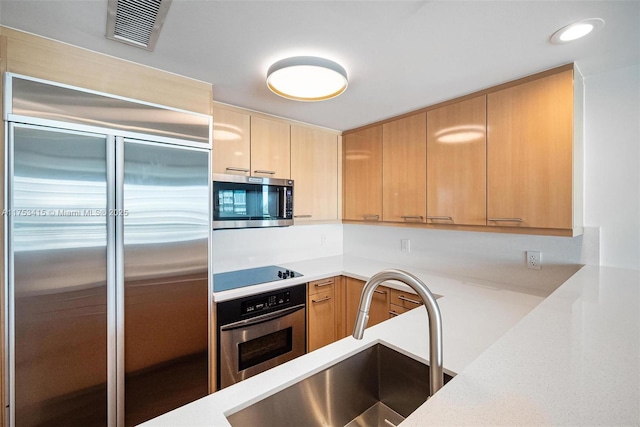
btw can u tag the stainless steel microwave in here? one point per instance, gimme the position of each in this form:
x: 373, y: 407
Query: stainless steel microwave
x: 249, y: 201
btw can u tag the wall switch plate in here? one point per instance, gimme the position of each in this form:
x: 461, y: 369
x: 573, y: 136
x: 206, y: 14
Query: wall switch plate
x: 405, y: 245
x: 534, y: 260
x: 323, y: 239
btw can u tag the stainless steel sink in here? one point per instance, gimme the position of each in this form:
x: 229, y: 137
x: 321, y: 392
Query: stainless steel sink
x: 372, y: 386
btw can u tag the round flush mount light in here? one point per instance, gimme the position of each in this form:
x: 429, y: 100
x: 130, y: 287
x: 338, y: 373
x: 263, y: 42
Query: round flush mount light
x: 576, y: 30
x: 307, y: 78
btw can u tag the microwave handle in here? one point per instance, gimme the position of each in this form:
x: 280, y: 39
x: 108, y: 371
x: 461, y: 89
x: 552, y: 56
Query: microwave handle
x: 282, y: 205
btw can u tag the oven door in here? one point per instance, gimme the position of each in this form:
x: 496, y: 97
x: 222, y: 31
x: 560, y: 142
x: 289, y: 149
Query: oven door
x: 254, y: 345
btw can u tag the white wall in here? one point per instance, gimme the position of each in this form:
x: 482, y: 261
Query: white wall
x: 612, y: 164
x: 256, y: 247
x: 496, y: 259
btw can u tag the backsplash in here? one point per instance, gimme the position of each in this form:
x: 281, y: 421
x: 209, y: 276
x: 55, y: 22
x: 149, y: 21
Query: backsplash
x: 486, y: 258
x: 483, y: 257
x: 255, y: 247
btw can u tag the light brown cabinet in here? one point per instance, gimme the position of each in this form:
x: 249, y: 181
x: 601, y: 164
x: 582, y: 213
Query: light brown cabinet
x: 401, y: 302
x: 231, y: 151
x: 456, y: 163
x: 530, y: 166
x: 505, y: 159
x: 379, y: 310
x: 270, y: 148
x: 404, y: 169
x: 321, y: 313
x: 362, y: 177
x: 314, y: 170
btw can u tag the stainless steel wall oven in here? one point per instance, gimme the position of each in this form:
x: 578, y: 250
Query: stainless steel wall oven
x: 258, y: 332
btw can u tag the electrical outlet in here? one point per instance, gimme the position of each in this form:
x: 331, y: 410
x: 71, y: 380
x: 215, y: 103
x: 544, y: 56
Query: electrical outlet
x: 323, y: 239
x: 405, y: 245
x: 534, y: 260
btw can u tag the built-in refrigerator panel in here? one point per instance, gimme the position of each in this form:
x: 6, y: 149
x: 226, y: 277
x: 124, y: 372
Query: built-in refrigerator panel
x: 165, y: 212
x: 107, y: 304
x: 59, y: 287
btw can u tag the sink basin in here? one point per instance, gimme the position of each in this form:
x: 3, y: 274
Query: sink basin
x: 372, y: 386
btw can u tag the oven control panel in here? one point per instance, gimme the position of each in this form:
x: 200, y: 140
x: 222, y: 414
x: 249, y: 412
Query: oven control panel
x: 266, y: 302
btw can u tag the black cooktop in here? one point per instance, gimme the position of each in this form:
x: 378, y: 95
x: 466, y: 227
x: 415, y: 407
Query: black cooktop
x: 251, y: 276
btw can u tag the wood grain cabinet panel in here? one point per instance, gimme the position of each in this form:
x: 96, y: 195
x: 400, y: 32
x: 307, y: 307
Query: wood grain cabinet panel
x: 314, y: 170
x: 321, y: 313
x: 270, y: 148
x: 362, y: 177
x: 404, y: 169
x: 529, y: 154
x: 379, y: 311
x: 456, y: 163
x: 231, y: 142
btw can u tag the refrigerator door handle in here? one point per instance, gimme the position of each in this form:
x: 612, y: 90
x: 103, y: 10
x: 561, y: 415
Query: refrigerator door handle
x: 119, y: 285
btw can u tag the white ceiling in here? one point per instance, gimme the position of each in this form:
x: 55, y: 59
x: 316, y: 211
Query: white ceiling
x: 400, y: 55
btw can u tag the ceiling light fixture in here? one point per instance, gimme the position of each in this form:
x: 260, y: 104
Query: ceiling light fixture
x: 576, y: 30
x: 307, y: 78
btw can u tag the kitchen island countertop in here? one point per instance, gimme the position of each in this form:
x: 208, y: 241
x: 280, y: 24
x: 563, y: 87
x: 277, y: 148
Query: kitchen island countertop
x: 572, y: 359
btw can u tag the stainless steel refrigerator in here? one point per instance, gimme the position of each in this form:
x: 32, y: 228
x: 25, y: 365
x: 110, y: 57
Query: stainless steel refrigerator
x: 108, y: 274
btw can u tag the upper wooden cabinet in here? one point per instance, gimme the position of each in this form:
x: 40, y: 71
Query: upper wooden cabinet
x: 507, y: 159
x: 404, y: 169
x: 530, y: 155
x: 231, y: 142
x: 362, y: 177
x: 314, y: 170
x: 456, y: 163
x: 270, y: 148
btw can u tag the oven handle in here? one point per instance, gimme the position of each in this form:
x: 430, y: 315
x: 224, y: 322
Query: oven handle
x: 262, y: 318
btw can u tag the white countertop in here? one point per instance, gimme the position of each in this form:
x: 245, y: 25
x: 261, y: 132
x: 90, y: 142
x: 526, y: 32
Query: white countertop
x: 545, y: 370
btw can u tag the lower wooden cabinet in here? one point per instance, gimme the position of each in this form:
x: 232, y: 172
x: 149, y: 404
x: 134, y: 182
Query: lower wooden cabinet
x: 379, y: 310
x: 321, y: 313
x: 332, y: 306
x: 401, y: 302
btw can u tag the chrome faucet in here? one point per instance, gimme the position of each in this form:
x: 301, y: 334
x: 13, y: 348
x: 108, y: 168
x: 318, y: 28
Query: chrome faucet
x: 436, y: 379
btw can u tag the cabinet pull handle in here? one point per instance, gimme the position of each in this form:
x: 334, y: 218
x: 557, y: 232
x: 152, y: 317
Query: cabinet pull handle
x: 440, y: 218
x: 371, y: 217
x: 265, y: 172
x: 412, y: 217
x: 505, y: 219
x: 316, y: 301
x: 327, y: 283
x: 302, y: 216
x: 393, y: 313
x: 412, y: 301
x: 234, y: 169
x: 380, y: 292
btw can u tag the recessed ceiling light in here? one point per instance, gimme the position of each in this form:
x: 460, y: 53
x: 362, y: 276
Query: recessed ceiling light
x: 576, y: 30
x: 307, y: 78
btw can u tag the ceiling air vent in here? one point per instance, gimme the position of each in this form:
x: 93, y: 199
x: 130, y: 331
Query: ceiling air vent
x: 136, y: 22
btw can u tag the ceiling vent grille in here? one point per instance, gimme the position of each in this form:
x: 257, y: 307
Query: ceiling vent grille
x: 136, y: 22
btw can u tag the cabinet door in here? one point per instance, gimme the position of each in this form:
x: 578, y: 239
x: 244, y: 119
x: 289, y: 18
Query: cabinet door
x: 379, y: 310
x: 231, y: 142
x: 456, y: 163
x: 321, y: 317
x: 270, y: 148
x: 529, y: 154
x: 404, y: 170
x: 314, y: 170
x: 362, y: 177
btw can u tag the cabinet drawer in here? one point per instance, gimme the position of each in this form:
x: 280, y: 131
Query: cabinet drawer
x: 396, y: 310
x: 405, y: 299
x: 321, y: 285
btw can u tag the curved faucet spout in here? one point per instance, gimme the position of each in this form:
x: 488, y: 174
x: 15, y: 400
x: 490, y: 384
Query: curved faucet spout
x: 436, y: 379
